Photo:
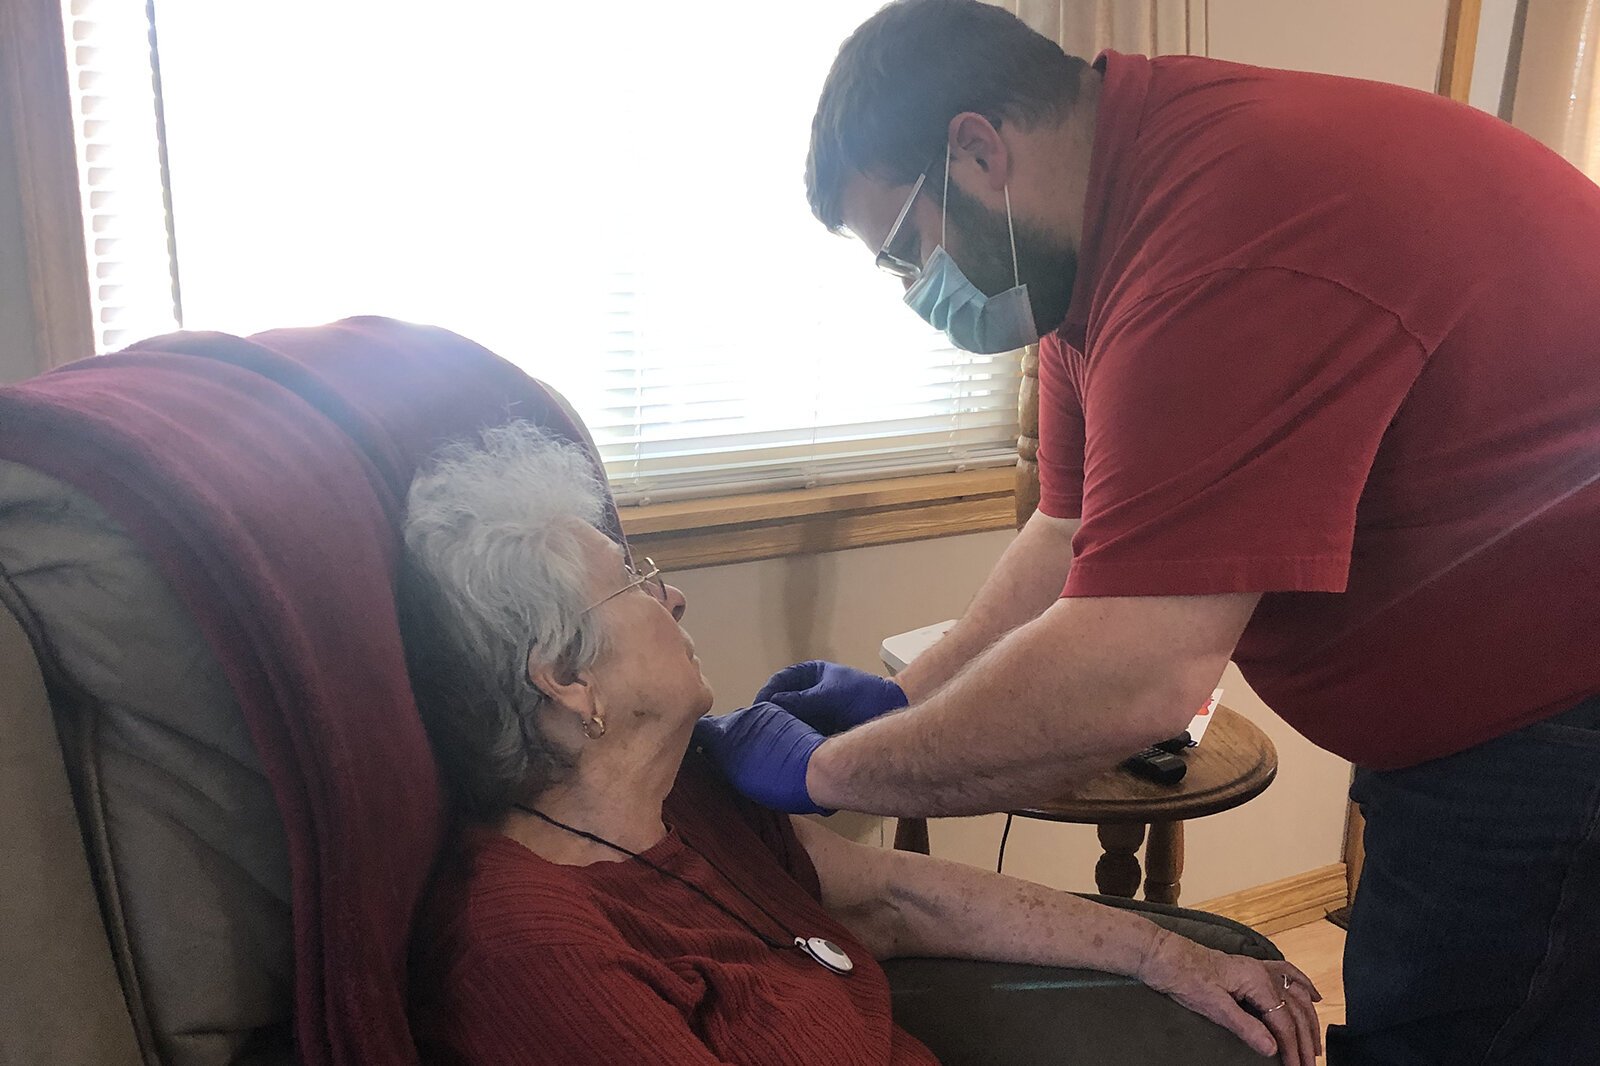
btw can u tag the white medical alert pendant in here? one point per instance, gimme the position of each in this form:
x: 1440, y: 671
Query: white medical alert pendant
x: 827, y: 953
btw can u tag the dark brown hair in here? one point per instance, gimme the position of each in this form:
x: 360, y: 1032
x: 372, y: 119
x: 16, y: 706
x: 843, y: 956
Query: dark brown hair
x: 907, y: 71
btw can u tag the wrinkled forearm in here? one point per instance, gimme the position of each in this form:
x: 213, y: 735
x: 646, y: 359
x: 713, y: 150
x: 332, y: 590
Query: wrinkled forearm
x: 948, y: 910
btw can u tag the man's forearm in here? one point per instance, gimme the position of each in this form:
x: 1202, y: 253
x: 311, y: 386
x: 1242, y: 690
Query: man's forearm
x: 1056, y: 701
x: 1027, y: 579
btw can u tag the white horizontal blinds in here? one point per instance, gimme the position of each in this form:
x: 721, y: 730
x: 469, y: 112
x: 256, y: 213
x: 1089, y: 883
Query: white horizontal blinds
x: 119, y: 170
x: 610, y: 195
x: 679, y: 409
x: 748, y: 347
x: 660, y: 447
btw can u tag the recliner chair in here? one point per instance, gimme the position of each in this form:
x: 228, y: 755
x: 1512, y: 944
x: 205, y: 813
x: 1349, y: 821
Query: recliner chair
x: 145, y: 903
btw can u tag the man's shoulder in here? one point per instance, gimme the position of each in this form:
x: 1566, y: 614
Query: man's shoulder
x: 1237, y: 166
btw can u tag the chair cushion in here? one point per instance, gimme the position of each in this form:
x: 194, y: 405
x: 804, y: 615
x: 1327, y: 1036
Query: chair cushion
x: 183, y: 831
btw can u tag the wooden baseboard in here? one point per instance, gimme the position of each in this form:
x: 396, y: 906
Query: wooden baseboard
x: 1285, y: 904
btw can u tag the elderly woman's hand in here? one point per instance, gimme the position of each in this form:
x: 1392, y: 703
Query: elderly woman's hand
x: 1268, y: 1005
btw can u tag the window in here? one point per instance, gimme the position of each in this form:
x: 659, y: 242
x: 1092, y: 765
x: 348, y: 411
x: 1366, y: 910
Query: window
x: 610, y: 195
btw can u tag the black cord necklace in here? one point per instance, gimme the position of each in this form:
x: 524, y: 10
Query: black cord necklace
x: 823, y: 952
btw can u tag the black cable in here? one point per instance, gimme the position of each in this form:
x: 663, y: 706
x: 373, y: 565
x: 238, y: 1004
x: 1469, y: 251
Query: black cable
x: 1001, y: 861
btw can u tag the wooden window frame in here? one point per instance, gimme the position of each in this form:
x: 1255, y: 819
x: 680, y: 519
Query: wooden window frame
x: 1460, y: 47
x: 769, y: 525
x: 33, y: 63
x: 737, y: 529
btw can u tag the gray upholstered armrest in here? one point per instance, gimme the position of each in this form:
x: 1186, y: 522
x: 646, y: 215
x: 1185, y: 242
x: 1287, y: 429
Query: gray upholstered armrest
x: 60, y: 1001
x: 1000, y: 1014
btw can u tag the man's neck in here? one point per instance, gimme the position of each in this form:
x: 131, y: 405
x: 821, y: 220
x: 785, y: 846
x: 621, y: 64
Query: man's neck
x: 1067, y: 149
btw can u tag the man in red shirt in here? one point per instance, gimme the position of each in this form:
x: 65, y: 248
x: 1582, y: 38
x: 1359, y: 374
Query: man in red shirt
x: 1320, y: 393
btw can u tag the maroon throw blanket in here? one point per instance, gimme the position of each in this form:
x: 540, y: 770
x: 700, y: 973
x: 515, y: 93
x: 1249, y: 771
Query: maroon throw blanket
x: 266, y: 478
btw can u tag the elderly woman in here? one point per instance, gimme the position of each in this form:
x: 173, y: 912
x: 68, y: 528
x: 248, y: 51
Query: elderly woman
x: 609, y: 899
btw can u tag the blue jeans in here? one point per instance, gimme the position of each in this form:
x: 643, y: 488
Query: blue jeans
x: 1475, y: 936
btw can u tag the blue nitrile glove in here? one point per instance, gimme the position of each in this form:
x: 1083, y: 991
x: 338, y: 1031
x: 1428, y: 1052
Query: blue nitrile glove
x: 763, y: 751
x: 829, y: 697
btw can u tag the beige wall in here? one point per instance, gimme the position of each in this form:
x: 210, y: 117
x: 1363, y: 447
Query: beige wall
x: 1495, y: 27
x: 1386, y: 40
x: 749, y: 619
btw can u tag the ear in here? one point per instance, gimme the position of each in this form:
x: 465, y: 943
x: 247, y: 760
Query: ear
x: 977, y: 147
x: 567, y: 690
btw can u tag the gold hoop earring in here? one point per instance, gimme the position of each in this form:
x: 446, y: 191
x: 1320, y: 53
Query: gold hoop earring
x: 594, y: 728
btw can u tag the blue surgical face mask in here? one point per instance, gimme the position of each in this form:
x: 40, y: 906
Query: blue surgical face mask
x: 974, y: 321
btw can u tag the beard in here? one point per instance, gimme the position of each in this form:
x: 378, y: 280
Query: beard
x: 1044, y: 264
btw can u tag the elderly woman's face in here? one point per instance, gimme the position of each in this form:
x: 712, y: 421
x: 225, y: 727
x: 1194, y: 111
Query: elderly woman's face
x: 649, y: 667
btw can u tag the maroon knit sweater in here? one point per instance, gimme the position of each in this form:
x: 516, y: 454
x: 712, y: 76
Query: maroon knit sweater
x: 525, y: 961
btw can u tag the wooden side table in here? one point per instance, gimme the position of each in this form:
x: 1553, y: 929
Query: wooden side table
x: 1234, y: 764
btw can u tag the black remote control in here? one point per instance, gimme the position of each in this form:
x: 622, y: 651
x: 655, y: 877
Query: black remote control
x: 1181, y: 742
x: 1159, y: 766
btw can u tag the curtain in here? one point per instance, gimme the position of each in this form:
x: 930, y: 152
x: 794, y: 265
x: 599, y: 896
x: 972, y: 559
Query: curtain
x: 1557, y: 86
x: 1147, y: 27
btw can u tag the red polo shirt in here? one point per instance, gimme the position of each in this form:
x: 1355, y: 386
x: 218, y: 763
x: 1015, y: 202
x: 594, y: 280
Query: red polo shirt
x: 1339, y: 342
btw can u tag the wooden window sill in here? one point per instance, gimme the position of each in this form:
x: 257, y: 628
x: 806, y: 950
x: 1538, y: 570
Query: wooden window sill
x: 770, y: 525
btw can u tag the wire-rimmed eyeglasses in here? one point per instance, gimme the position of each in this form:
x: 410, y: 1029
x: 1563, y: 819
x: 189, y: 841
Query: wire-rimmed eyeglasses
x: 649, y: 577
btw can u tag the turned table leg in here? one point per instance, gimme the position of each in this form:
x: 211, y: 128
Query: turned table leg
x: 1163, y: 862
x: 1117, y: 872
x: 911, y: 834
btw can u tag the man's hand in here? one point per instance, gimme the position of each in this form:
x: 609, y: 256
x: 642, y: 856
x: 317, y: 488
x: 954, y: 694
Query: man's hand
x: 829, y: 697
x: 763, y: 751
x: 1266, y: 1004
